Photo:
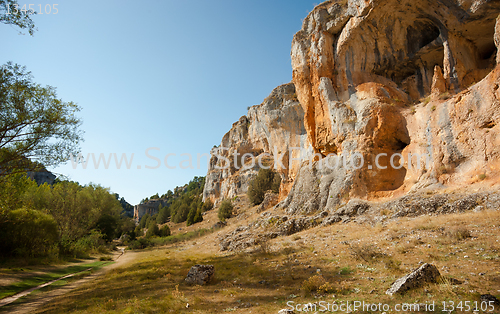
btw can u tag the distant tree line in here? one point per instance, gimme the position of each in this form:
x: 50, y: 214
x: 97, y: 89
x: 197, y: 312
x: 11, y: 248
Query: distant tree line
x: 183, y: 205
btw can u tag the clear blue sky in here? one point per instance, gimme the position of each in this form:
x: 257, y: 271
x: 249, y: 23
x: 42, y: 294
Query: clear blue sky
x: 168, y: 74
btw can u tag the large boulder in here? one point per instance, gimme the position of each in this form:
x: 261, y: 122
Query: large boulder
x: 200, y: 274
x: 424, y: 274
x: 270, y: 199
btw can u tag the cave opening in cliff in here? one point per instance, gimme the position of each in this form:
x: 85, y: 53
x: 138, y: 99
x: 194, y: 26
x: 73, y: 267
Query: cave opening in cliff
x: 486, y: 54
x: 400, y: 145
x: 419, y: 35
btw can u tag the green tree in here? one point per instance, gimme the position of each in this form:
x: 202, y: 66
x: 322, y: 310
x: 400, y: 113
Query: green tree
x: 126, y: 226
x: 34, y: 124
x: 198, y: 217
x: 28, y: 232
x: 163, y: 215
x: 265, y: 180
x: 144, y: 220
x: 107, y: 225
x: 190, y: 217
x: 207, y: 205
x: 21, y: 19
x: 225, y: 210
x: 153, y: 230
x: 164, y: 231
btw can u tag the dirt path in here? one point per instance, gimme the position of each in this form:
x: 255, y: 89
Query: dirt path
x: 38, y: 300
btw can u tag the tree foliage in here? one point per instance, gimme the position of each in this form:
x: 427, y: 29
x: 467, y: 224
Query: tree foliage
x: 71, y: 219
x: 153, y: 230
x: 265, y: 180
x: 164, y: 231
x: 225, y: 210
x: 163, y: 215
x: 34, y: 124
x: 20, y: 18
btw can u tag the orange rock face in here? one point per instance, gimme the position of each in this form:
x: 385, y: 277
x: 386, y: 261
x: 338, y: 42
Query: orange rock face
x: 410, y: 88
x: 363, y: 71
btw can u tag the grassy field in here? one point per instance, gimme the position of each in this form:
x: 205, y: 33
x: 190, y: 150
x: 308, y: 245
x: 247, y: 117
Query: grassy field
x: 30, y: 281
x: 346, y: 262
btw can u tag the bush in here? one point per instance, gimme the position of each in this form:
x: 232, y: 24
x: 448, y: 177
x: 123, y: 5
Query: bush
x: 91, y: 242
x: 317, y: 283
x: 163, y: 215
x: 30, y: 233
x: 164, y: 231
x: 207, y: 205
x: 194, y: 216
x: 143, y: 221
x: 265, y: 180
x: 139, y: 244
x: 225, y: 210
x: 153, y: 230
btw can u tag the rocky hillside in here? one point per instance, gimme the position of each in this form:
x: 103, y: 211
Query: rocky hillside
x: 376, y: 81
x: 273, y: 128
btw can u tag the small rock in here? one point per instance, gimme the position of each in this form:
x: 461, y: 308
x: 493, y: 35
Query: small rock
x: 478, y: 208
x: 286, y: 311
x: 425, y: 273
x: 200, y: 274
x: 489, y: 298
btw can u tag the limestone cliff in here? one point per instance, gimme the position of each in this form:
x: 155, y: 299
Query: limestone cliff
x: 273, y: 130
x: 362, y: 70
x: 377, y: 81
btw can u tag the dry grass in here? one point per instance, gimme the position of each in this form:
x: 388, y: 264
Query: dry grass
x: 305, y: 267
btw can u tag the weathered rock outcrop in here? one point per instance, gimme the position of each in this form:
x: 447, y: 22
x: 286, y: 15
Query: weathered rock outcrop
x: 151, y: 207
x: 361, y: 69
x: 272, y: 132
x: 408, y: 88
x: 272, y: 224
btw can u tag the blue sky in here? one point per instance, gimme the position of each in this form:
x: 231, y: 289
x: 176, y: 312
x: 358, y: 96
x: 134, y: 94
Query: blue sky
x: 169, y: 75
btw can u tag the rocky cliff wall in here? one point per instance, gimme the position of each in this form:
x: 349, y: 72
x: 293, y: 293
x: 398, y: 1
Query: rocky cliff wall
x: 377, y: 81
x: 272, y: 132
x: 382, y: 78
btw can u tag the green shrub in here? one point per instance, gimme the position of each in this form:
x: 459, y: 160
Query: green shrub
x: 163, y: 215
x: 139, y: 244
x: 30, y: 233
x: 265, y: 180
x: 207, y: 205
x: 93, y: 242
x: 144, y: 220
x: 165, y: 231
x: 194, y: 216
x: 225, y: 210
x: 153, y: 230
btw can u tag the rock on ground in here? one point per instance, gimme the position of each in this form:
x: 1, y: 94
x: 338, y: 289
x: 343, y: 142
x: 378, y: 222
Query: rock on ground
x: 423, y: 274
x: 200, y: 274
